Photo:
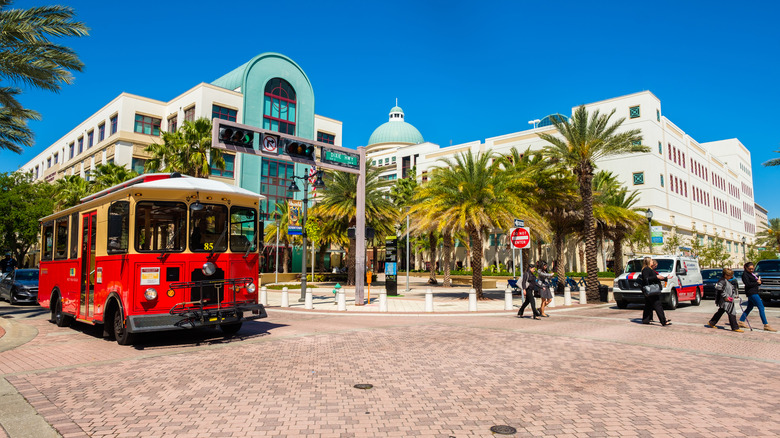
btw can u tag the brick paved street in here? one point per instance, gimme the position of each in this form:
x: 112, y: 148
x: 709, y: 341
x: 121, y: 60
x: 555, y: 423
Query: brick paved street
x: 591, y: 371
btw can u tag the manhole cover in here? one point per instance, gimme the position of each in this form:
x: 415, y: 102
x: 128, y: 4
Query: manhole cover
x: 364, y: 386
x: 503, y: 430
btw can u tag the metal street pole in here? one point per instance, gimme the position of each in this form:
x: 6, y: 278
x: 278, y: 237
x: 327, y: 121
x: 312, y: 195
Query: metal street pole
x: 276, y: 251
x: 407, y: 251
x: 303, y: 236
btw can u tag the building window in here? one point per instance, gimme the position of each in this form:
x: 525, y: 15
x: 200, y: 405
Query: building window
x: 660, y: 148
x: 114, y: 124
x: 639, y: 178
x: 326, y: 138
x: 392, y: 159
x: 189, y: 114
x: 147, y: 125
x: 279, y: 106
x: 138, y: 165
x: 101, y: 132
x: 405, y: 166
x: 90, y: 139
x: 56, y: 158
x: 81, y: 144
x: 48, y: 163
x: 658, y: 114
x: 172, y: 124
x: 662, y: 180
x: 72, y: 149
x: 633, y: 112
x: 274, y: 180
x: 229, y: 166
x: 218, y: 112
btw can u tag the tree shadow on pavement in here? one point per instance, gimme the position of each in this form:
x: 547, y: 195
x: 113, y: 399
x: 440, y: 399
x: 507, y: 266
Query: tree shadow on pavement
x: 202, y: 336
x: 23, y: 311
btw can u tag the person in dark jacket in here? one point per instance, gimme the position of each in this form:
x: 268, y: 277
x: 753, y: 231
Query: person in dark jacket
x: 652, y: 302
x: 529, y: 285
x: 8, y: 264
x: 726, y: 294
x: 544, y: 282
x: 752, y: 283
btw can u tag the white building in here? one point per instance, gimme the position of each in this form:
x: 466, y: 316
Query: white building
x: 696, y: 190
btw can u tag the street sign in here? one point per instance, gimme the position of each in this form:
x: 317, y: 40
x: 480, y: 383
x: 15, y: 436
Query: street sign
x: 340, y: 158
x: 520, y: 238
x: 270, y: 144
x: 519, y: 223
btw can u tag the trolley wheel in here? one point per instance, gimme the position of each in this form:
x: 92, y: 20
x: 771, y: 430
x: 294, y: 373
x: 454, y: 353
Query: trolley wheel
x: 58, y: 317
x: 672, y: 303
x: 622, y: 304
x: 697, y: 299
x: 121, y: 334
x: 230, y: 329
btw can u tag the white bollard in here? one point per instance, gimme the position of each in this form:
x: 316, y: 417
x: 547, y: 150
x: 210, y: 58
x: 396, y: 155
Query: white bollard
x: 610, y: 296
x: 342, y: 299
x: 264, y: 296
x: 583, y: 297
x: 383, y: 300
x: 308, y: 300
x: 508, y: 298
x: 428, y: 300
x: 285, y: 297
x: 567, y: 296
x: 472, y: 300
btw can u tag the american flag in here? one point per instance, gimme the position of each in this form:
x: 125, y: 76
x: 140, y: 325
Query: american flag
x: 312, y: 178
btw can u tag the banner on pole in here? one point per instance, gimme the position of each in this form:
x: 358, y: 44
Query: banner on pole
x: 295, y: 215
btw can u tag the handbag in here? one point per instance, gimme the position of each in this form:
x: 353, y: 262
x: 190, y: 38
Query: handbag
x: 651, y: 289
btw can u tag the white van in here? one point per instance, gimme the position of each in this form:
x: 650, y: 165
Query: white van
x: 686, y: 285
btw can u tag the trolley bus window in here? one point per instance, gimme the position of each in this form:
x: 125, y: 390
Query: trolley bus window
x: 207, y: 228
x: 118, y: 227
x: 48, y: 240
x: 243, y: 226
x: 74, y: 236
x: 61, y: 248
x: 160, y: 226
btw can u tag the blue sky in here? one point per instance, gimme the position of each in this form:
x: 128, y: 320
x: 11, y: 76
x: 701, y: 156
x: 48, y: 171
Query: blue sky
x: 462, y: 71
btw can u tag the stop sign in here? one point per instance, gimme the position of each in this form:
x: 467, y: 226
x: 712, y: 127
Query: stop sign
x: 520, y: 238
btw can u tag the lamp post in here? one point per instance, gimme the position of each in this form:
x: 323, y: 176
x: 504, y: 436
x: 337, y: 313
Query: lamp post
x: 318, y: 183
x: 407, y: 249
x: 744, y: 254
x: 276, y: 250
x: 534, y: 122
x: 649, y: 216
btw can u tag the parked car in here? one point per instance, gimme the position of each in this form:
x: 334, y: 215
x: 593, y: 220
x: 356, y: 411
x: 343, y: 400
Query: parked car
x: 769, y: 271
x: 20, y: 286
x: 738, y: 277
x: 710, y: 277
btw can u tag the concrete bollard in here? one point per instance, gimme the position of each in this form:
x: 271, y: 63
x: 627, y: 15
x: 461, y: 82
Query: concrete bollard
x: 428, y: 300
x: 383, y: 300
x: 508, y: 298
x: 472, y: 300
x: 567, y: 296
x: 308, y: 300
x: 583, y: 296
x: 285, y: 297
x: 342, y: 300
x: 264, y: 296
x: 610, y: 296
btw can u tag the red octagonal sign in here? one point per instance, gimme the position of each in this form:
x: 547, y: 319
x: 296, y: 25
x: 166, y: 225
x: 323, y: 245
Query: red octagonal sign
x: 520, y: 238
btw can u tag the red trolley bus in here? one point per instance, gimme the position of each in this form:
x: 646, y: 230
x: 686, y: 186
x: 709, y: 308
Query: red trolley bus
x: 158, y: 252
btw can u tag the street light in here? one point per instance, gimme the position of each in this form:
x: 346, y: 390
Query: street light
x: 534, y: 122
x: 744, y: 254
x: 318, y: 183
x: 407, y: 250
x: 276, y: 250
x: 649, y: 216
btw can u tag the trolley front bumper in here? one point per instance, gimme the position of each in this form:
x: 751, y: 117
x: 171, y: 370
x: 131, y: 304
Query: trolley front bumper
x: 192, y: 317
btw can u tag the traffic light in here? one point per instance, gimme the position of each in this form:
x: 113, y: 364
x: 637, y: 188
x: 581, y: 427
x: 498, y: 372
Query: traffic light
x: 237, y: 137
x: 299, y: 149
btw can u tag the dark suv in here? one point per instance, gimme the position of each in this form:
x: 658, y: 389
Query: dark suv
x: 769, y: 271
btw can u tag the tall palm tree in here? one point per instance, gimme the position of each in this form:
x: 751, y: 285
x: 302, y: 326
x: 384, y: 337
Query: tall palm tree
x: 69, y: 190
x: 283, y: 214
x: 109, y: 175
x: 773, y: 161
x: 616, y: 216
x: 187, y: 151
x: 584, y: 140
x: 29, y: 57
x: 473, y: 193
x: 338, y: 208
x: 771, y: 236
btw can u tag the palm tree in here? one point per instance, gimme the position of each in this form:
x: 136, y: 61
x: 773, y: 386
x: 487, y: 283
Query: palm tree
x: 474, y: 194
x: 771, y: 236
x: 773, y: 161
x: 109, y: 175
x: 187, y: 151
x: 27, y: 56
x: 586, y: 140
x: 69, y: 190
x: 338, y: 208
x: 281, y: 213
x: 616, y: 216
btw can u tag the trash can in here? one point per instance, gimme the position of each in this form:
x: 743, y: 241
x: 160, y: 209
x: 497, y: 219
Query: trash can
x: 603, y: 293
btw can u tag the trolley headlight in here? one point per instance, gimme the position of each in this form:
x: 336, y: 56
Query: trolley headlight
x: 150, y: 294
x: 250, y: 287
x: 209, y: 269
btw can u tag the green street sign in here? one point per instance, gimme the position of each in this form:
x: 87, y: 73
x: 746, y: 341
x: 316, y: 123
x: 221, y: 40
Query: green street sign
x: 339, y: 158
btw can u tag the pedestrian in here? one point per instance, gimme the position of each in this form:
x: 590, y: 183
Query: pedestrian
x: 529, y: 285
x: 653, y: 302
x: 8, y: 264
x: 726, y: 294
x: 752, y: 282
x: 546, y: 292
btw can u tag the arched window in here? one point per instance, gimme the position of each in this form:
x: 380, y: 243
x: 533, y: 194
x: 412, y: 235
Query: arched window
x: 279, y: 106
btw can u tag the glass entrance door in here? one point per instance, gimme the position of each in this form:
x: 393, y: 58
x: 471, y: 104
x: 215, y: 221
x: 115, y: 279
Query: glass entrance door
x: 88, y: 238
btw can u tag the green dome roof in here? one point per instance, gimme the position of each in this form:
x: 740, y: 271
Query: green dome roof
x: 396, y: 131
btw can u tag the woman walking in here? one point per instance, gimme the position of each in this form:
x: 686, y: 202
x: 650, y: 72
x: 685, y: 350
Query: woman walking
x: 546, y: 291
x: 652, y: 302
x: 529, y: 285
x: 752, y: 282
x: 726, y: 294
